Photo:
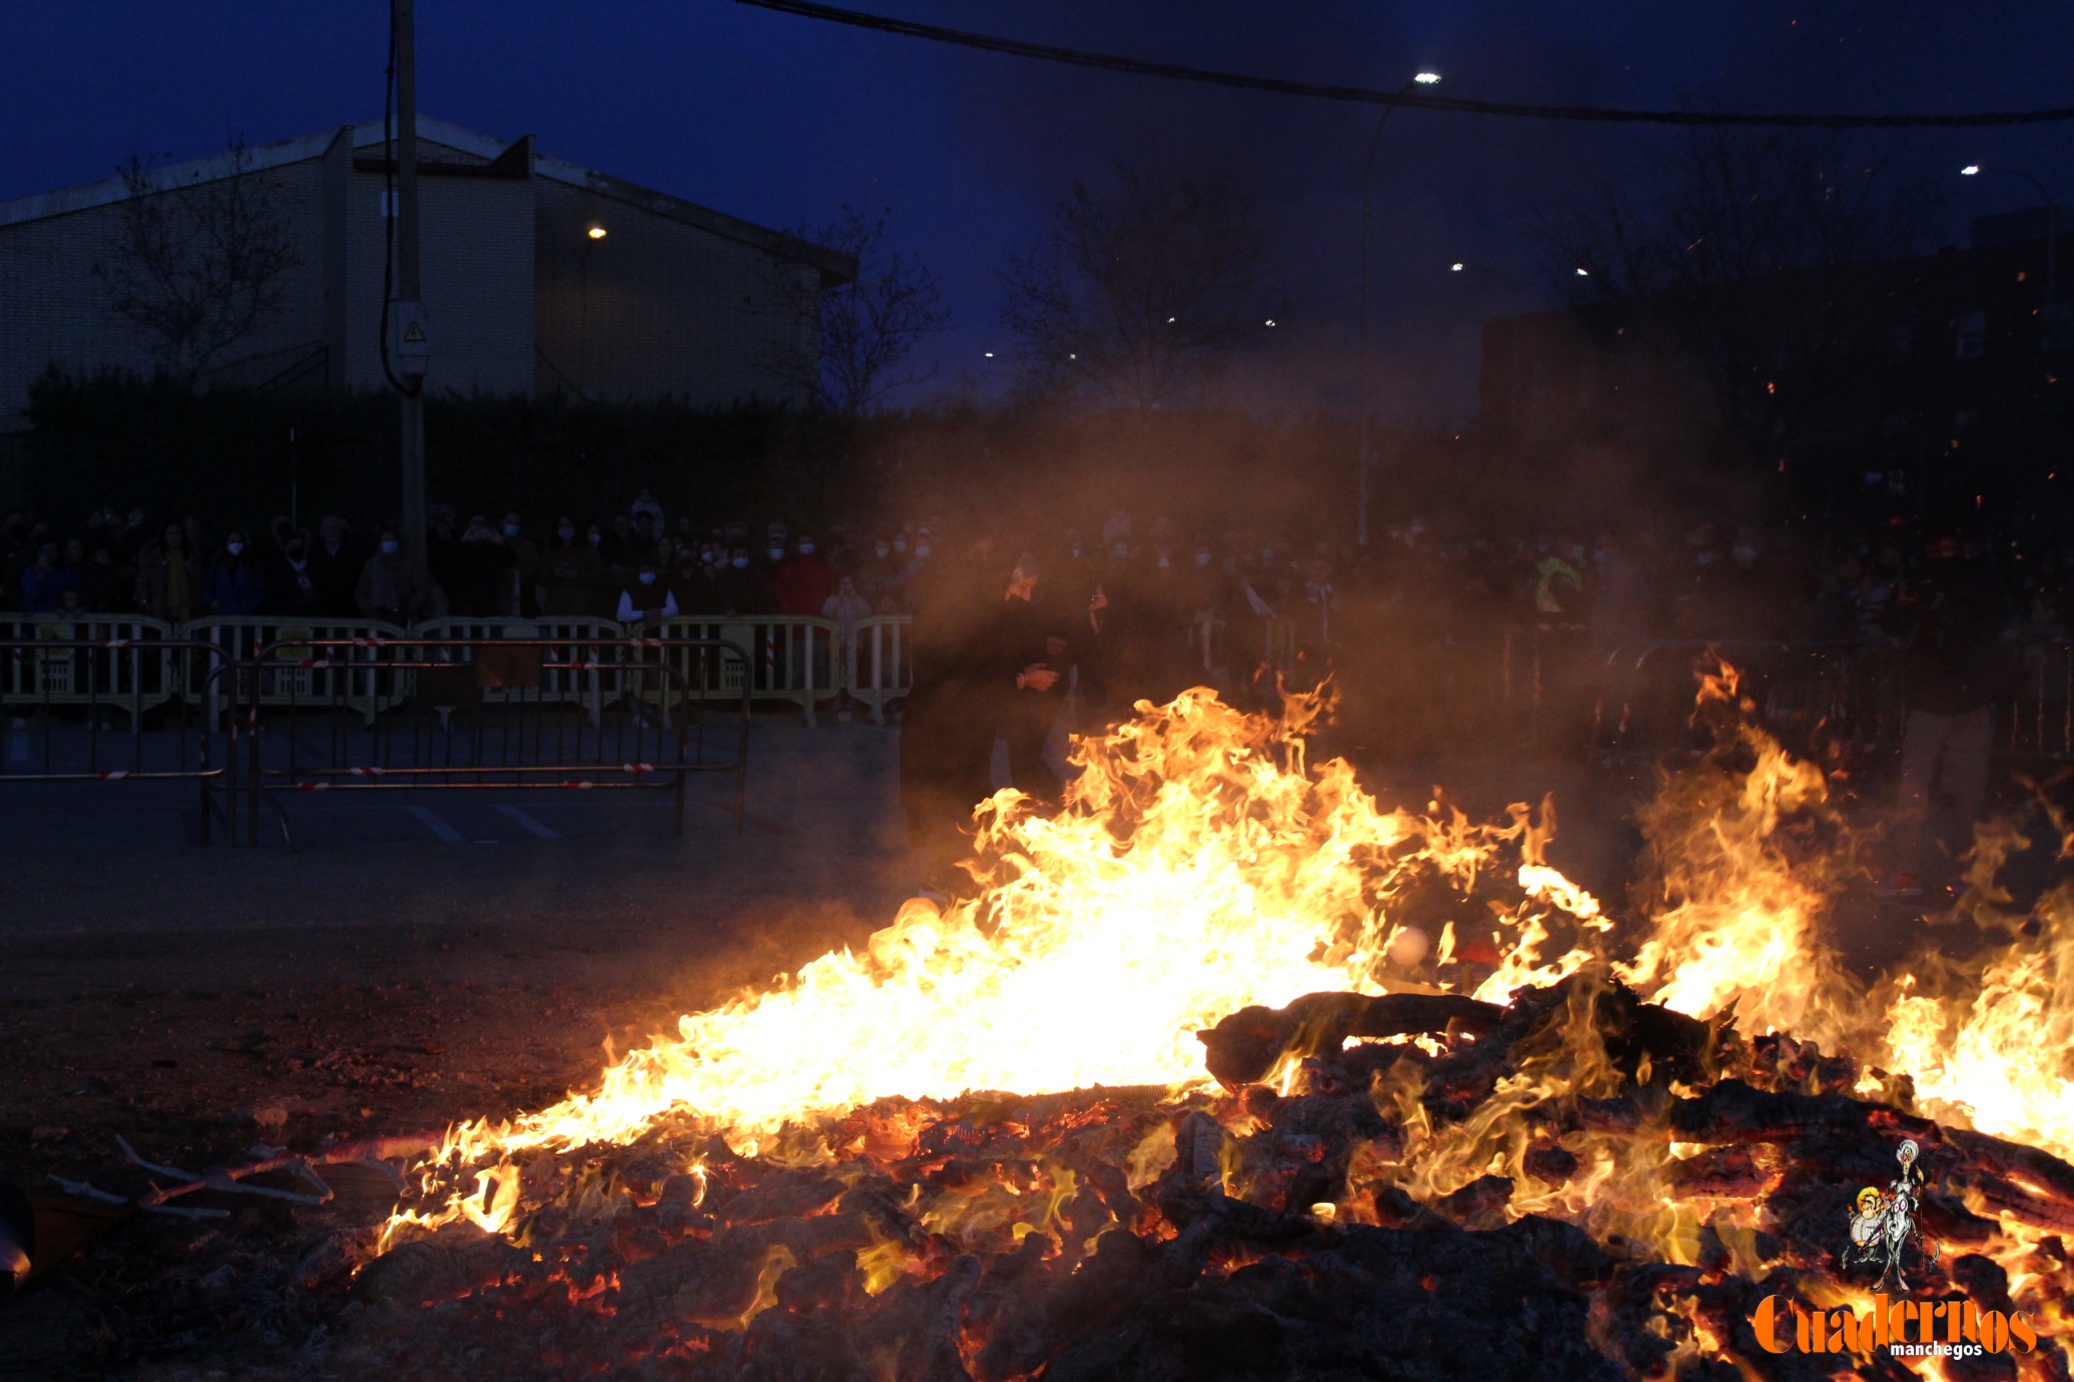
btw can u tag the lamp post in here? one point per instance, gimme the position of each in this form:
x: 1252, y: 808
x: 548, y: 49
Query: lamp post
x: 591, y: 236
x: 1362, y: 457
x: 2052, y: 220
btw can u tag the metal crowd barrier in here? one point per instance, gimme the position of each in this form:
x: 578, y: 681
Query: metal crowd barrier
x: 878, y: 662
x: 793, y: 657
x: 1830, y: 702
x: 237, y: 639
x: 147, y: 675
x: 2040, y: 716
x: 485, y: 713
x: 83, y: 684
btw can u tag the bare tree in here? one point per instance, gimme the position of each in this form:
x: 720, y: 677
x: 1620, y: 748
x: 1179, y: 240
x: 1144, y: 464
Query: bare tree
x: 1760, y: 252
x: 867, y: 329
x: 1138, y: 295
x: 199, y: 265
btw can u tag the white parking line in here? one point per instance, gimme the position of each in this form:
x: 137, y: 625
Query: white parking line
x: 445, y: 832
x: 527, y: 822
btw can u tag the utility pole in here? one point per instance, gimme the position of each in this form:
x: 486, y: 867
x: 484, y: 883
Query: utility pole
x: 412, y: 348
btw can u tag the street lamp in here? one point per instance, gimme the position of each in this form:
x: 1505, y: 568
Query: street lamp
x: 583, y: 330
x: 1362, y: 458
x: 2052, y: 220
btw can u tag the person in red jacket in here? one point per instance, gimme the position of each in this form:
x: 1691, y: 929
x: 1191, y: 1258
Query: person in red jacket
x: 804, y: 580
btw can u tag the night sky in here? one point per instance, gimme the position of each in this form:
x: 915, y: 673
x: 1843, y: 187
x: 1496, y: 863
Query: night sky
x: 781, y: 120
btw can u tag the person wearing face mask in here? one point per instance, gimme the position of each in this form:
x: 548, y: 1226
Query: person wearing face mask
x: 693, y: 582
x: 879, y: 580
x: 335, y: 562
x: 169, y: 576
x: 389, y: 590
x: 647, y: 598
x: 645, y: 502
x: 804, y: 580
x: 291, y: 588
x: 45, y: 579
x: 478, y: 571
x: 236, y: 583
x: 621, y: 549
x: 572, y: 568
x: 743, y: 588
x: 525, y: 561
x: 605, y: 581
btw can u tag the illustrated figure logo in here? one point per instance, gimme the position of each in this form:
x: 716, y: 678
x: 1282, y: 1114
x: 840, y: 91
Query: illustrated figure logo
x: 1883, y: 1224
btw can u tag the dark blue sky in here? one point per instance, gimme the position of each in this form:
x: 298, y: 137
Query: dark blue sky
x: 780, y: 119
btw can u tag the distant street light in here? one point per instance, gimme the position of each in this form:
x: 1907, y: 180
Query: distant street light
x: 1362, y: 458
x: 2052, y: 220
x: 1454, y: 268
x: 583, y: 330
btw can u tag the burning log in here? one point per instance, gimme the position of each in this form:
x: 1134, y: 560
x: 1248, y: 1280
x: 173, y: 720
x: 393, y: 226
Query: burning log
x: 1244, y: 1047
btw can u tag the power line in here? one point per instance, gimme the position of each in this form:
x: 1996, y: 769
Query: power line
x: 1110, y: 62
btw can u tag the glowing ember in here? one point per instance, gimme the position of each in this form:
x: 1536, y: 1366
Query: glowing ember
x: 880, y: 1109
x: 1196, y: 868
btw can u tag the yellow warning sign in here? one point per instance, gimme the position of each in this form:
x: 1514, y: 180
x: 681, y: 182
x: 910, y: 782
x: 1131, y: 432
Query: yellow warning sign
x: 414, y: 334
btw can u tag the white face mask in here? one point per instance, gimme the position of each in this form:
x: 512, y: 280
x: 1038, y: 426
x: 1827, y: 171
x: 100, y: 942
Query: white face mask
x: 777, y: 554
x: 511, y: 530
x: 900, y: 545
x: 597, y: 538
x: 806, y: 549
x: 390, y: 546
x: 883, y: 549
x: 922, y: 552
x: 234, y: 548
x: 566, y: 534
x: 741, y: 563
x: 1202, y: 558
x: 648, y: 578
x: 1163, y: 563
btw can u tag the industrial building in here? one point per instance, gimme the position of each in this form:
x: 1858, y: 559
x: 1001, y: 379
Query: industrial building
x: 541, y: 277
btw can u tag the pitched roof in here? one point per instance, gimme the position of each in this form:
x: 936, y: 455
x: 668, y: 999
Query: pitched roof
x: 451, y: 145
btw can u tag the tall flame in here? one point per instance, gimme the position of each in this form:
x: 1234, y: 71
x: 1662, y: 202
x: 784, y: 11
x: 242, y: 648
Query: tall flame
x: 1196, y: 866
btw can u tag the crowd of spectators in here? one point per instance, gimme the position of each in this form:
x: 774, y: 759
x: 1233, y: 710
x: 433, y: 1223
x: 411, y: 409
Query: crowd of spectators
x: 1168, y: 587
x: 1026, y: 630
x: 630, y: 565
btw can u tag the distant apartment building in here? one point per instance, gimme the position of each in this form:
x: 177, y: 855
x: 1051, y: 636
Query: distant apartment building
x: 540, y: 277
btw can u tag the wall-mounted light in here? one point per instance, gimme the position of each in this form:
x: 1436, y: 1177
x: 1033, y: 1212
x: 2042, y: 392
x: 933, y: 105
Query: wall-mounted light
x: 596, y: 232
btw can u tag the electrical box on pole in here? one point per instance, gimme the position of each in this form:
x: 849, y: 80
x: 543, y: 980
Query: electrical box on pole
x: 410, y: 345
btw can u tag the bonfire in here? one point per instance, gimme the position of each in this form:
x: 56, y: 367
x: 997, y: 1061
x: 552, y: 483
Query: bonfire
x: 1222, y: 1070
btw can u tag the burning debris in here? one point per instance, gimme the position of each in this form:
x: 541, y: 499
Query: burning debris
x: 1279, y: 1142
